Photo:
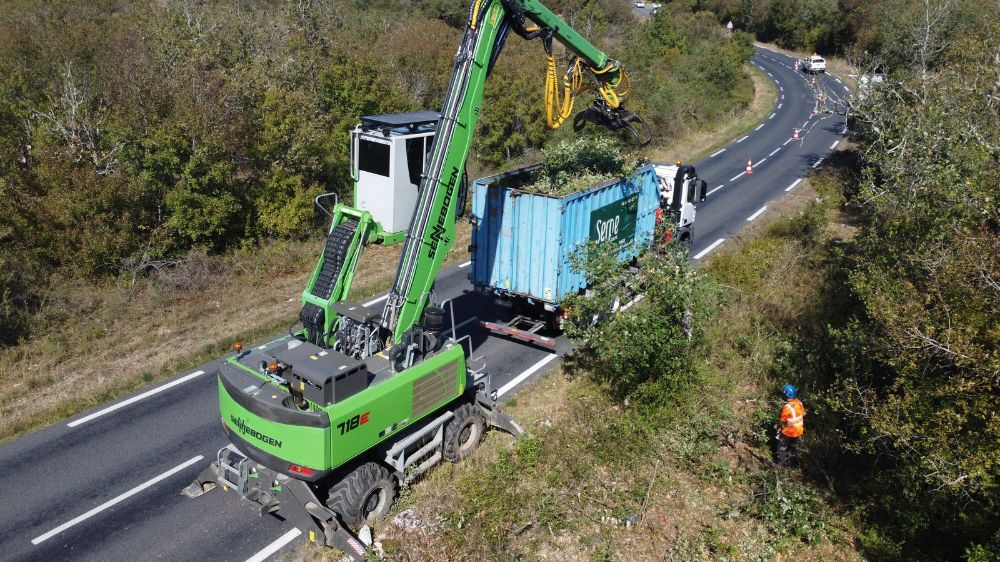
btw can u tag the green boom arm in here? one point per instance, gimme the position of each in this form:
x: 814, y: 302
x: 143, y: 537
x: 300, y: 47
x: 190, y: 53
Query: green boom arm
x: 432, y: 229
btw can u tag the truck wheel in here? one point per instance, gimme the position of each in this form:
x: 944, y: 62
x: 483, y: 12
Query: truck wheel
x: 364, y: 495
x: 463, y: 433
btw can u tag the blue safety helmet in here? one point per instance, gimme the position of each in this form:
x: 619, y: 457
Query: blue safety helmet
x: 790, y: 391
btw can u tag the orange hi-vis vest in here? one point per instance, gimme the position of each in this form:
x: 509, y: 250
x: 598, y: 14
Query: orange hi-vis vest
x: 791, y: 418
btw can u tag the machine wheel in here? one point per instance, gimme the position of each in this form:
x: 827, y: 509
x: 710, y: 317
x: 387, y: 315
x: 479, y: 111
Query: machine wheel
x: 463, y: 433
x: 363, y: 496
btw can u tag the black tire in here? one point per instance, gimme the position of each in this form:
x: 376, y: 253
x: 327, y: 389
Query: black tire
x: 463, y: 433
x: 363, y: 496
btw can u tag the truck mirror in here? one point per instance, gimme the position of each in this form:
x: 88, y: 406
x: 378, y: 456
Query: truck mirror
x: 702, y: 190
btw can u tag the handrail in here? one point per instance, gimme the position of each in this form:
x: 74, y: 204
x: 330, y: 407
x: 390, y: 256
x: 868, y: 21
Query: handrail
x: 336, y: 200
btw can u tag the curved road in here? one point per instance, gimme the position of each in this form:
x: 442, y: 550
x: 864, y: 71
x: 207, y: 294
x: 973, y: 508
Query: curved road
x: 105, y: 485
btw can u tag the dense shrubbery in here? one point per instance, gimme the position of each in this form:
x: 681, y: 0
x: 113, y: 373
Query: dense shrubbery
x: 133, y: 133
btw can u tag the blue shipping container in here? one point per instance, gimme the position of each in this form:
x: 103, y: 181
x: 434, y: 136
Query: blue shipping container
x: 522, y: 242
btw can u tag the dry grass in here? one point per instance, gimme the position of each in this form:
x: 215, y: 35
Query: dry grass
x: 697, y: 144
x: 112, y: 339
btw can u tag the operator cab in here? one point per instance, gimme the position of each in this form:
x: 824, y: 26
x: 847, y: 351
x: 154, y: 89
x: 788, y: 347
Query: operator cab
x: 388, y: 156
x: 680, y: 192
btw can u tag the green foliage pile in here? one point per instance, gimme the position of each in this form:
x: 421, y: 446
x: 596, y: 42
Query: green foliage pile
x: 570, y: 166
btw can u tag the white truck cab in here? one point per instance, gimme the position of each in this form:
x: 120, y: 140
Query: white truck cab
x: 680, y: 192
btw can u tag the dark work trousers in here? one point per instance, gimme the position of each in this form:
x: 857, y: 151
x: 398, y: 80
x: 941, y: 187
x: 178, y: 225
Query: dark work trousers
x: 787, y: 449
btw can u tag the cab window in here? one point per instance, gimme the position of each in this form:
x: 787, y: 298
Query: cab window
x: 373, y: 157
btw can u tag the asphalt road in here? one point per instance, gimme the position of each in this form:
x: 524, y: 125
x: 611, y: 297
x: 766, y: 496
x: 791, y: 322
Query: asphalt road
x: 105, y: 485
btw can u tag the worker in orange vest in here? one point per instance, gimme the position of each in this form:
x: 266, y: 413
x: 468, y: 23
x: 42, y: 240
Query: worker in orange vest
x: 792, y: 427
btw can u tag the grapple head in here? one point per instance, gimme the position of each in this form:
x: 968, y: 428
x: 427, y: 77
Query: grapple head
x: 614, y: 118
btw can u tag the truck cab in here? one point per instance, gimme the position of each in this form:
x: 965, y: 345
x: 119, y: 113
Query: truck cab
x: 680, y: 192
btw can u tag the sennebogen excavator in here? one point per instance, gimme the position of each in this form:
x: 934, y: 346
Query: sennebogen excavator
x: 326, y: 423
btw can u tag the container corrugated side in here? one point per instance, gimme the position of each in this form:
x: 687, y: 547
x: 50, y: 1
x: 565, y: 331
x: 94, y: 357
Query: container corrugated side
x: 522, y: 242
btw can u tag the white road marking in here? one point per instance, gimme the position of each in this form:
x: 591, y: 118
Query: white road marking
x: 42, y: 538
x: 743, y: 139
x: 779, y: 105
x: 757, y: 214
x: 834, y: 145
x: 771, y: 116
x: 736, y: 177
x: 714, y: 190
x: 466, y: 264
x: 135, y: 399
x: 758, y: 163
x: 629, y: 304
x: 717, y: 153
x: 758, y: 127
x: 781, y: 88
x: 375, y: 300
x: 782, y: 96
x: 530, y: 371
x: 838, y: 80
x: 711, y: 247
x: 771, y: 75
x: 275, y: 546
x: 805, y: 123
x: 773, y: 152
x: 794, y: 183
x: 786, y: 142
x: 817, y: 163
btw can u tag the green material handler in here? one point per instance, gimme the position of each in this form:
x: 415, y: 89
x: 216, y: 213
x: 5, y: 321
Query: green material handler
x: 326, y: 423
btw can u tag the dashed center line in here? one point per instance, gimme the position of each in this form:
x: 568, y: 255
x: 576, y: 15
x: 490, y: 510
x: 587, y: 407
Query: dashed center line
x: 135, y: 399
x: 80, y: 518
x: 771, y: 116
x: 757, y: 214
x: 743, y: 139
x: 757, y: 128
x: 834, y: 145
x: 780, y: 104
x: 794, y: 183
x: 715, y: 189
x: 758, y: 163
x: 713, y: 155
x: 773, y: 152
x: 817, y: 163
x: 737, y: 176
x: 711, y: 247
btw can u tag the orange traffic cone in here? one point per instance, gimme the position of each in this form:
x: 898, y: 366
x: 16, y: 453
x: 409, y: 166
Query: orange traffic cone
x: 795, y: 135
x: 749, y: 166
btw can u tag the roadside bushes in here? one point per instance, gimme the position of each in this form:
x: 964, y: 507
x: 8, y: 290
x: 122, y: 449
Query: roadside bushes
x: 646, y: 353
